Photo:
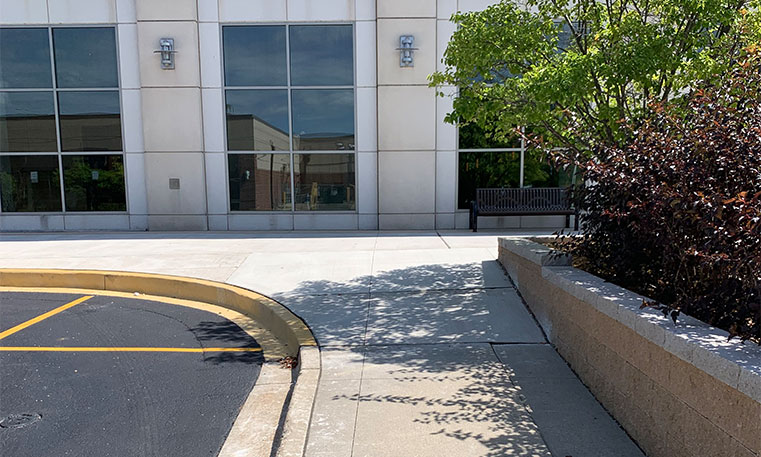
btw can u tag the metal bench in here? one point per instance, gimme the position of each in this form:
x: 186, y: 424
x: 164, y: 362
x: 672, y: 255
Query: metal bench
x: 530, y: 201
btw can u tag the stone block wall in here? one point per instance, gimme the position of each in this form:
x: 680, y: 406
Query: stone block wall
x: 678, y: 390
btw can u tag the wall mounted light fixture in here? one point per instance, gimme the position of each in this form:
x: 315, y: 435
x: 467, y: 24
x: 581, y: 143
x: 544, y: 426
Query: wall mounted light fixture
x: 406, y: 47
x: 166, y: 49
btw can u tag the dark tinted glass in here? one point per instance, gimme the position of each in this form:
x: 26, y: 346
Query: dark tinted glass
x: 486, y: 169
x: 27, y: 122
x: 324, y: 182
x: 255, y: 55
x: 322, y: 55
x: 539, y: 172
x: 323, y: 119
x: 260, y: 182
x: 90, y: 121
x: 24, y: 58
x: 94, y: 183
x: 474, y: 137
x: 85, y: 57
x: 30, y: 183
x: 257, y: 120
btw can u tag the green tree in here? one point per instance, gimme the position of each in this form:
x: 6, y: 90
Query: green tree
x: 573, y: 70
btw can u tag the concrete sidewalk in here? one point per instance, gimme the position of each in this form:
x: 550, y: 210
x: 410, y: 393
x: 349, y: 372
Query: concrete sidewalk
x: 426, y: 347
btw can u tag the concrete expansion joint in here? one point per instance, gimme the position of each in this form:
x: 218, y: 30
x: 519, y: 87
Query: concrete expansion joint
x: 274, y: 419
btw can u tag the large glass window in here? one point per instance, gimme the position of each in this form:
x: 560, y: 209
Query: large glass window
x: 255, y: 56
x: 290, y: 88
x: 94, y: 182
x: 30, y: 183
x: 27, y: 122
x: 323, y: 119
x: 25, y: 58
x: 485, y: 162
x: 59, y: 94
x: 324, y: 182
x: 90, y: 121
x: 260, y: 182
x: 322, y: 55
x: 257, y: 120
x: 85, y: 57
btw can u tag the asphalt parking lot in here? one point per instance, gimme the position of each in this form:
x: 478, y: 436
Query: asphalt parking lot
x: 113, y: 376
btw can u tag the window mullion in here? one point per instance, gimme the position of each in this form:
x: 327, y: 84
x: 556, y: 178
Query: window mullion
x: 57, y: 119
x: 523, y: 152
x: 290, y: 116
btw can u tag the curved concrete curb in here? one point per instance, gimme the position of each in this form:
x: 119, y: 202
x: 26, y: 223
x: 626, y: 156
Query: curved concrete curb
x: 284, y: 432
x: 285, y: 325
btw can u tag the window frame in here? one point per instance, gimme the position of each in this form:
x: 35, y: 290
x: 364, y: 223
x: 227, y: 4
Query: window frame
x: 521, y: 150
x: 288, y: 88
x: 55, y: 90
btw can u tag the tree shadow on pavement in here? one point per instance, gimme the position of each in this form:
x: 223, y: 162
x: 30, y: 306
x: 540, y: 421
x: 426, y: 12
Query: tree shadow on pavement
x: 470, y: 275
x: 224, y: 333
x: 421, y: 392
x: 410, y: 368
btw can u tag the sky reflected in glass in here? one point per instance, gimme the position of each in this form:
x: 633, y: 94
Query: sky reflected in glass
x: 257, y: 120
x: 322, y: 55
x: 255, y: 55
x: 85, y: 57
x: 25, y: 58
x: 323, y: 119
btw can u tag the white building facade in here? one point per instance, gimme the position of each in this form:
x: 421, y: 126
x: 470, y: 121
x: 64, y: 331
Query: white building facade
x: 275, y: 115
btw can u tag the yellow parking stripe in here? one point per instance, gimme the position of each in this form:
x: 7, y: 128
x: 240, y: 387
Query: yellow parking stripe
x: 53, y: 312
x: 122, y: 349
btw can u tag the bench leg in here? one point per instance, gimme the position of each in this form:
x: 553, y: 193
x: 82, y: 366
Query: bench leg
x: 474, y: 216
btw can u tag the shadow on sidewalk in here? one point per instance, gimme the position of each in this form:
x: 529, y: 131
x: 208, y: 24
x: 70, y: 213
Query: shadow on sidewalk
x: 420, y: 395
x: 412, y: 365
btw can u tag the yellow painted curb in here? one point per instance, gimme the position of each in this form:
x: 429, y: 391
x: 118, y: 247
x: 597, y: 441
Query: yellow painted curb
x: 286, y: 326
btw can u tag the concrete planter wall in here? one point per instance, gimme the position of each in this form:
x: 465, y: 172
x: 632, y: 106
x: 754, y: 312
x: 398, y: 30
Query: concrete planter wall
x: 679, y: 390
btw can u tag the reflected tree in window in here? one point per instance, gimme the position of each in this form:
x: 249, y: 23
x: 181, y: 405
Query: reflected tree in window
x: 94, y: 183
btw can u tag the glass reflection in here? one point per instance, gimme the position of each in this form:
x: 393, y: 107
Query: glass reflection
x: 322, y: 55
x: 486, y: 169
x: 85, y: 57
x: 323, y: 119
x: 538, y: 171
x: 324, y: 182
x: 260, y: 182
x: 27, y: 122
x: 90, y: 121
x: 472, y: 136
x: 257, y: 120
x: 25, y: 58
x: 94, y: 183
x: 254, y: 55
x: 30, y: 183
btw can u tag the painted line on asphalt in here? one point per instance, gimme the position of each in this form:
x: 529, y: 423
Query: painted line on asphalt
x: 120, y: 349
x: 41, y: 317
x: 264, y: 337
